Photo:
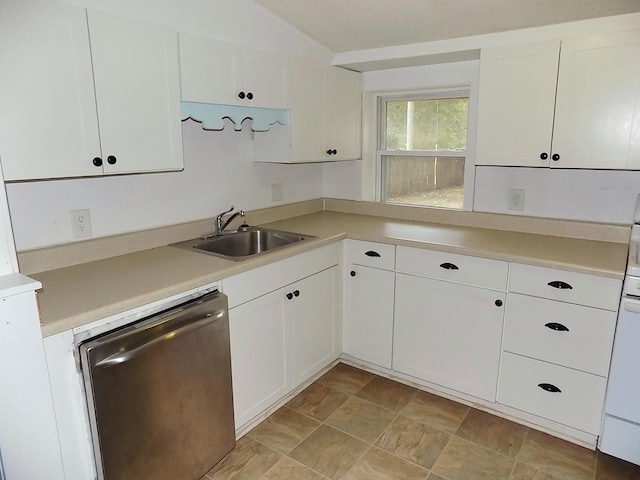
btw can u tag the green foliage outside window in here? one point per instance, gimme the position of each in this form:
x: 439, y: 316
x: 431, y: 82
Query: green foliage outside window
x: 427, y: 124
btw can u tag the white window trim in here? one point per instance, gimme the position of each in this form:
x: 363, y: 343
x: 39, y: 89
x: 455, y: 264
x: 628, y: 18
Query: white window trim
x: 375, y: 117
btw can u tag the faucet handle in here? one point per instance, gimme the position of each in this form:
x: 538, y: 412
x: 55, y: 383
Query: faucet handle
x: 228, y: 211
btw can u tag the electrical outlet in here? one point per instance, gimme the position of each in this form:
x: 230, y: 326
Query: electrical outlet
x: 277, y: 192
x: 516, y: 199
x: 80, y: 223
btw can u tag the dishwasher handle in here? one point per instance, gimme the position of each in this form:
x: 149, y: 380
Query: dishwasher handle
x: 121, y: 357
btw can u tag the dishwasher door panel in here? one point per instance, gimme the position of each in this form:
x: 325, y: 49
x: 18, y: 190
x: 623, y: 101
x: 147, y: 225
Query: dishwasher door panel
x: 160, y: 394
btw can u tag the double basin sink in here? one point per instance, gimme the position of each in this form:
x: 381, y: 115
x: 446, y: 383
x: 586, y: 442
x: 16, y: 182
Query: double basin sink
x: 245, y: 243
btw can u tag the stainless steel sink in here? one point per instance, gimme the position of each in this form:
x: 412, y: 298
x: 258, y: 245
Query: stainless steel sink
x: 244, y: 244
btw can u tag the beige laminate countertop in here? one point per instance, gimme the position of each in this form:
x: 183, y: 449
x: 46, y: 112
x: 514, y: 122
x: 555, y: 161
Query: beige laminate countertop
x: 77, y: 295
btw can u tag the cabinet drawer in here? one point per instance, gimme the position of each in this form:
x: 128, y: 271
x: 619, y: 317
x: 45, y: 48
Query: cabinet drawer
x: 565, y: 286
x: 577, y: 404
x: 569, y: 335
x: 371, y: 254
x: 453, y: 267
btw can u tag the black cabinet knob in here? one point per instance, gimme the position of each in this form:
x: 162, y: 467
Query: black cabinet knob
x: 549, y: 387
x: 250, y: 96
x: 449, y: 266
x: 296, y: 293
x: 544, y: 156
x: 97, y: 161
x: 329, y: 152
x: 111, y: 160
x: 560, y: 285
x: 555, y: 157
x: 558, y: 327
x: 498, y: 303
x: 241, y: 95
x: 352, y: 273
x: 289, y: 296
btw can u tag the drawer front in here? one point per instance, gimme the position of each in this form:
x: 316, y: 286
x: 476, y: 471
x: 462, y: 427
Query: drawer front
x: 577, y: 404
x: 371, y: 254
x: 482, y: 272
x: 579, y: 288
x: 562, y: 333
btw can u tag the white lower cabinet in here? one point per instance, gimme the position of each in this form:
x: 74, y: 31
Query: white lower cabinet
x: 448, y: 334
x: 282, y: 336
x: 368, y: 331
x: 258, y: 361
x: 310, y: 312
x: 557, y: 393
x: 559, y: 330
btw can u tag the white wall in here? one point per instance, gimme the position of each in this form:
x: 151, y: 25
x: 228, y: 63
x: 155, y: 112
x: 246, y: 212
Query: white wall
x: 242, y: 22
x: 8, y: 261
x: 589, y: 195
x: 219, y: 171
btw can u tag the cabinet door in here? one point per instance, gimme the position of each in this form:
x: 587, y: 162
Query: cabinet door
x: 258, y: 361
x: 448, y: 334
x: 266, y: 76
x: 368, y: 324
x: 311, y: 324
x: 137, y: 85
x: 210, y: 71
x: 516, y: 104
x: 343, y: 113
x: 48, y: 120
x: 307, y: 107
x: 597, y: 123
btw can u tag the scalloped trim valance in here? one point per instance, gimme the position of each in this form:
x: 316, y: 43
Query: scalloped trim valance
x: 211, y: 116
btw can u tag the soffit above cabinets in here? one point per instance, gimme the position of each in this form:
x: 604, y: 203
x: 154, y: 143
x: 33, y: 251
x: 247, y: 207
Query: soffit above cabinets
x: 348, y: 25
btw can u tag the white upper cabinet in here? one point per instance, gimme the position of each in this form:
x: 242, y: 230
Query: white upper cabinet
x: 222, y: 73
x: 591, y: 83
x: 516, y: 104
x: 343, y: 113
x: 48, y: 118
x: 325, y: 113
x: 597, y: 122
x: 137, y: 83
x: 80, y: 99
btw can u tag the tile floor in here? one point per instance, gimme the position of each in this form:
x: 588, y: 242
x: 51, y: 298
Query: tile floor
x: 353, y: 425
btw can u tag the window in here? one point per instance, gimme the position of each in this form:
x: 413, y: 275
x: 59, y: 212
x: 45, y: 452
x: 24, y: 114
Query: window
x: 422, y: 148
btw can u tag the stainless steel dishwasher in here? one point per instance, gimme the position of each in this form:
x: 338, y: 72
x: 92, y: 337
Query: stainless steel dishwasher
x: 159, y: 393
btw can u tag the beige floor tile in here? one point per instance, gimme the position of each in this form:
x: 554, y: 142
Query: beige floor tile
x: 248, y: 461
x: 289, y: 469
x: 329, y: 451
x: 527, y: 472
x: 611, y: 468
x: 433, y: 476
x: 414, y: 441
x: 493, y: 432
x: 387, y: 393
x: 556, y: 457
x: 438, y: 412
x: 284, y: 430
x: 317, y: 401
x: 346, y: 378
x: 464, y: 460
x: 361, y: 419
x: 380, y: 465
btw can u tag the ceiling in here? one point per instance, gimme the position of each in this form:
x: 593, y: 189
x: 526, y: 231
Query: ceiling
x: 348, y: 25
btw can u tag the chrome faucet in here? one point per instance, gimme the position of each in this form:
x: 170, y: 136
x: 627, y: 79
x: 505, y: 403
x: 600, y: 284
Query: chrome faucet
x: 221, y: 223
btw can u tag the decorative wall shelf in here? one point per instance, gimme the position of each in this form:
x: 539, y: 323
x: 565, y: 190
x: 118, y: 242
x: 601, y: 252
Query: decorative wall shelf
x: 211, y: 116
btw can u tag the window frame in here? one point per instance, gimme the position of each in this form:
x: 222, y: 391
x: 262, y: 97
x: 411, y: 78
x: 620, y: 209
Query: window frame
x: 463, y: 91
